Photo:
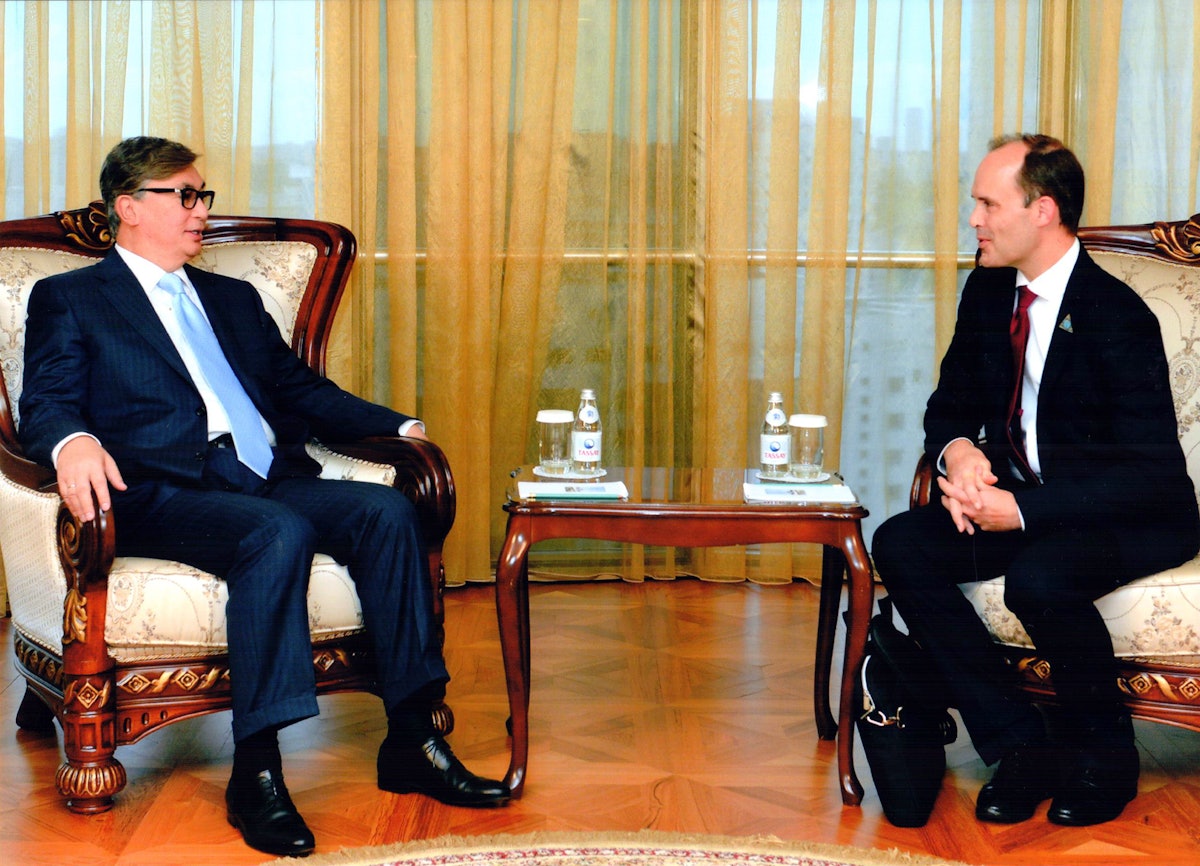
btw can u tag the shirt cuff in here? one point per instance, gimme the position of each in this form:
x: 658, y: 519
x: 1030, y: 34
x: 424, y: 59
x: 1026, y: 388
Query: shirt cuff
x: 410, y: 424
x: 941, y: 461
x: 60, y: 445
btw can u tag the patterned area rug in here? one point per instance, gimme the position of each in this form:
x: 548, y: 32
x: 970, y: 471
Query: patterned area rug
x: 614, y: 849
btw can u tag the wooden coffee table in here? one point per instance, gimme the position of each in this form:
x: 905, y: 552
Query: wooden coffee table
x: 690, y: 508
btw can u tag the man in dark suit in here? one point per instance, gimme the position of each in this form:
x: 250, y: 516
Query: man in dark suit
x: 200, y: 445
x: 1061, y: 469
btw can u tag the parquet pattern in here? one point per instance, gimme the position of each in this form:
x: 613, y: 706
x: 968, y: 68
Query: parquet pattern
x: 681, y: 707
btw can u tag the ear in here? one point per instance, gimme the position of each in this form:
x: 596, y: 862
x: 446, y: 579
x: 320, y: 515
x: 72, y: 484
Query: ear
x: 127, y: 209
x: 1045, y: 211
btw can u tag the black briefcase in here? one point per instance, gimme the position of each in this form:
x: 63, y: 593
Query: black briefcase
x: 902, y: 721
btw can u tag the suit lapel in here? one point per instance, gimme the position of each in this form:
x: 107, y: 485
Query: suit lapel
x: 1064, y: 334
x: 119, y: 286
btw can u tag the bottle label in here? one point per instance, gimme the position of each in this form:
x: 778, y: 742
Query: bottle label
x: 586, y: 446
x: 774, y: 450
x: 590, y: 414
x: 775, y: 417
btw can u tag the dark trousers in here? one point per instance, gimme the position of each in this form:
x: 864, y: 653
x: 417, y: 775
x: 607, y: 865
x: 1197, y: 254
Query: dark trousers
x: 260, y: 538
x: 1051, y: 583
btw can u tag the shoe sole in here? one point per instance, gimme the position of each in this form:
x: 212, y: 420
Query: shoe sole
x: 238, y: 825
x: 1103, y: 819
x: 485, y: 803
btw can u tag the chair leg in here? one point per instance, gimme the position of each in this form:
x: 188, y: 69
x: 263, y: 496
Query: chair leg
x: 91, y: 776
x: 34, y: 715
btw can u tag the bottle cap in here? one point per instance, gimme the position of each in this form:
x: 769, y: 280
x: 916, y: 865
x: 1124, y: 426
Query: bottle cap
x: 808, y: 421
x: 587, y: 394
x: 775, y: 397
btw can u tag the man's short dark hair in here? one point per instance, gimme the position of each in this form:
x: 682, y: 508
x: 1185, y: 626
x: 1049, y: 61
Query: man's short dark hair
x: 134, y: 161
x: 1050, y: 169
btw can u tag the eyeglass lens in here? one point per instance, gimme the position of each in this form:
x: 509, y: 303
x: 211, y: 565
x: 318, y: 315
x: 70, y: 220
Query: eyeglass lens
x: 188, y: 197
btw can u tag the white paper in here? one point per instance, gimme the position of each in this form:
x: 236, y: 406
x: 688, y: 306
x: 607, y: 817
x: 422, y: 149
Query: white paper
x: 535, y: 490
x: 800, y: 494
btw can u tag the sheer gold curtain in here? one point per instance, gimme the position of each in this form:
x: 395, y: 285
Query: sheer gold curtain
x: 683, y: 204
x: 190, y: 94
x: 346, y: 180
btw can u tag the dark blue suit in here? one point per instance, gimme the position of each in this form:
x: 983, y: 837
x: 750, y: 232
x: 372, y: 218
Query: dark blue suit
x: 1116, y: 502
x: 97, y: 359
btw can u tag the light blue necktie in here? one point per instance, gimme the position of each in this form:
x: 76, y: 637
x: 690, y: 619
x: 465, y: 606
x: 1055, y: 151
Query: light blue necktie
x: 249, y: 438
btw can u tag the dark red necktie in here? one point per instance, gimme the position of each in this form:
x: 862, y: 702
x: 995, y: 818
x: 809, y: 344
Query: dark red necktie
x: 1018, y: 331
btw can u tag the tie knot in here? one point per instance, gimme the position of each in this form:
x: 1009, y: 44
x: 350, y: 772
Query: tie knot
x: 171, y: 283
x: 1024, y: 299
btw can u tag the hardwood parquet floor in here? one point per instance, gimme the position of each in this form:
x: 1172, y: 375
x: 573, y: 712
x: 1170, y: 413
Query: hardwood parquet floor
x: 682, y: 707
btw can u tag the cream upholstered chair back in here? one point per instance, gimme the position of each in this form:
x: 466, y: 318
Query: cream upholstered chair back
x: 116, y: 647
x: 1154, y: 621
x: 1172, y: 291
x: 20, y: 268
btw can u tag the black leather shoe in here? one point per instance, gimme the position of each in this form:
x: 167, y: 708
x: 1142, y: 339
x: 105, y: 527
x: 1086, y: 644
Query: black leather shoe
x: 1023, y: 779
x: 260, y: 807
x: 1098, y: 789
x: 431, y: 768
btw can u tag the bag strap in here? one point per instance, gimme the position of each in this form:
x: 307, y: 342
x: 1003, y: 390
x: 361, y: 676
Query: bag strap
x: 911, y: 661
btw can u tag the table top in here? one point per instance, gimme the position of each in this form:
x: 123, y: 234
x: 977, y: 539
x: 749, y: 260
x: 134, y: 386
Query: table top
x: 654, y: 489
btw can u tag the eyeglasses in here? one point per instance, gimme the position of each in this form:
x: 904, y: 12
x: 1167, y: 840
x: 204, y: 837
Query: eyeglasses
x: 188, y: 196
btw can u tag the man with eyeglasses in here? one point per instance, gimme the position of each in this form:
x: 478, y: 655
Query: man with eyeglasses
x: 168, y: 392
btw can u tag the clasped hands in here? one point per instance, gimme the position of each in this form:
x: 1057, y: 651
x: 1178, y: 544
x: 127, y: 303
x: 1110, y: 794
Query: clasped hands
x: 970, y: 494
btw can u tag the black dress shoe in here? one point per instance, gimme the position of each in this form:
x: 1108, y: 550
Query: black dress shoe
x: 1097, y: 789
x: 430, y: 767
x: 1023, y: 779
x: 260, y: 807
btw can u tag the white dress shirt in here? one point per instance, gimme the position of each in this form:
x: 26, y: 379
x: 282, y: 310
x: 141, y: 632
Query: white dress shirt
x: 148, y: 274
x: 1049, y: 287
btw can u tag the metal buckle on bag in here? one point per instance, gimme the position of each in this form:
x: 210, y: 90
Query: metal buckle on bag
x: 872, y: 715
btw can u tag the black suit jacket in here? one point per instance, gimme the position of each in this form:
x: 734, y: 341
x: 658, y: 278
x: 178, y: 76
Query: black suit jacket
x: 1106, y: 429
x: 97, y: 359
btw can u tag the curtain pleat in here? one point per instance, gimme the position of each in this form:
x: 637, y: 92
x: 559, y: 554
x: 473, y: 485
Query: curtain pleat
x: 36, y: 117
x: 948, y: 193
x: 722, y: 396
x: 1096, y: 144
x: 464, y: 356
x: 399, y: 205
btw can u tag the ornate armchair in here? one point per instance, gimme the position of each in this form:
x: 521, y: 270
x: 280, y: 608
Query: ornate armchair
x: 117, y: 647
x: 1154, y: 621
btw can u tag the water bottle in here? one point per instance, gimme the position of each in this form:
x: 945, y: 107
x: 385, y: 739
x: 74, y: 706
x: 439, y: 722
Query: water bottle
x: 586, y: 436
x: 773, y: 443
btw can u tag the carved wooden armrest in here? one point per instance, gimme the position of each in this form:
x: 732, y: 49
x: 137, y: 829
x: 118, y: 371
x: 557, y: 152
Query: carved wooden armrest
x: 86, y: 548
x: 922, y: 485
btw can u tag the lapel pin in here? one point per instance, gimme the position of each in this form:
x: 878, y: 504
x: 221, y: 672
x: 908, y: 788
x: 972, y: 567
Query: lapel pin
x: 1066, y: 325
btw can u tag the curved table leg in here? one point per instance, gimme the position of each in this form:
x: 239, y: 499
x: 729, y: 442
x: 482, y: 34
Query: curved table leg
x: 833, y: 568
x: 512, y: 611
x: 862, y: 594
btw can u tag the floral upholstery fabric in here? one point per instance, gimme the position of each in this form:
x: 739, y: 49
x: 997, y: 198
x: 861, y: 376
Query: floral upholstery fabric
x: 156, y: 609
x: 1156, y: 617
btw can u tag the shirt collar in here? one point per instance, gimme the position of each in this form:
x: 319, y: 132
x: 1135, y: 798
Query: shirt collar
x: 1052, y: 283
x: 145, y: 271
